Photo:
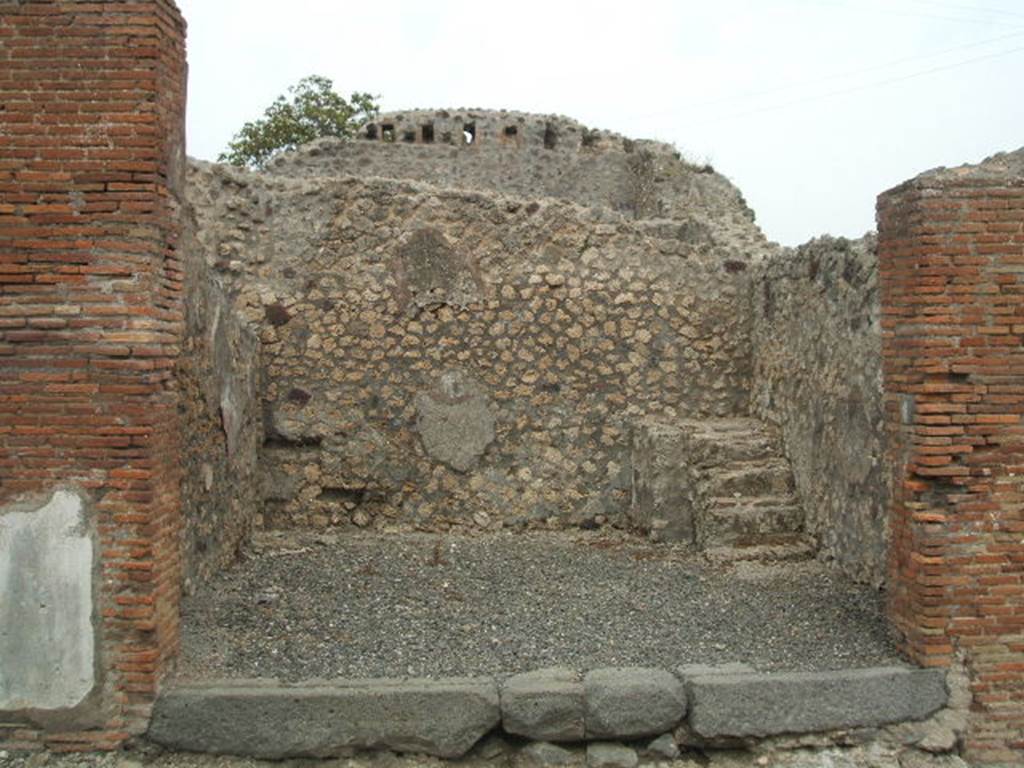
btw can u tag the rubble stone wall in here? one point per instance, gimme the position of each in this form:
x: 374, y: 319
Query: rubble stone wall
x: 545, y: 157
x: 222, y: 422
x: 817, y: 362
x: 435, y: 358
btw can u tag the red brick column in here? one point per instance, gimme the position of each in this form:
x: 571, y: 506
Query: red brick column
x: 92, y: 98
x: 951, y: 252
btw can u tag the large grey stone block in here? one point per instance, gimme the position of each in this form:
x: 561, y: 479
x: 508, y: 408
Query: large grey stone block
x: 625, y: 702
x: 267, y: 720
x: 546, y: 705
x: 806, y: 702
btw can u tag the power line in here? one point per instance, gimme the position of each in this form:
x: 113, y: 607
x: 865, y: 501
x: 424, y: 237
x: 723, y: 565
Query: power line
x: 855, y: 89
x: 954, y: 7
x: 838, y: 75
x: 915, y: 15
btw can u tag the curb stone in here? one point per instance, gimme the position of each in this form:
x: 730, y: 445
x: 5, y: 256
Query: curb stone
x: 545, y: 705
x: 761, y: 705
x: 265, y: 719
x: 627, y: 702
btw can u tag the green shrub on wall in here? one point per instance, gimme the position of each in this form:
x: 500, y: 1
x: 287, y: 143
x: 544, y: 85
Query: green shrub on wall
x: 313, y: 111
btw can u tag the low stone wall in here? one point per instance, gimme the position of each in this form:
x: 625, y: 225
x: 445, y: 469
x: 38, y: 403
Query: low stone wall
x: 438, y: 357
x: 817, y: 375
x: 222, y: 425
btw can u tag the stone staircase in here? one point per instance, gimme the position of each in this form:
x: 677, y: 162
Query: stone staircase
x: 722, y: 484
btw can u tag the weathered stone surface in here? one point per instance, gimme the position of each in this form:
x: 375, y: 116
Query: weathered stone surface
x: 663, y: 747
x: 47, y: 638
x: 547, y: 705
x: 662, y: 502
x: 540, y: 754
x: 430, y: 272
x: 575, y: 322
x: 818, y: 375
x: 491, y: 747
x: 719, y: 483
x: 218, y: 375
x: 610, y: 755
x: 455, y: 421
x: 770, y: 704
x: 544, y: 157
x: 688, y: 671
x: 271, y: 721
x: 626, y: 702
x: 941, y: 732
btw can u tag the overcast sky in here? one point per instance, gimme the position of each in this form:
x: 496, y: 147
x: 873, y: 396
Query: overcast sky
x: 812, y: 107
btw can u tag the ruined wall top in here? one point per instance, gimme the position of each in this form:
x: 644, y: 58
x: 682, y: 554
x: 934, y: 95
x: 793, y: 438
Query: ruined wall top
x: 500, y: 128
x: 1000, y: 167
x: 531, y: 157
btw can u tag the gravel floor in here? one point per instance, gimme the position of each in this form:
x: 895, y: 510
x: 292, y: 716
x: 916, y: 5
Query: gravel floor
x: 305, y: 606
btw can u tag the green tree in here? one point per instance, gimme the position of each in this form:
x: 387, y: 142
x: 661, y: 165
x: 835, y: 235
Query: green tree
x: 314, y: 110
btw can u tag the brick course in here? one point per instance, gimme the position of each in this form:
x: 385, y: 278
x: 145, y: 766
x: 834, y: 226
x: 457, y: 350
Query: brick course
x: 91, y: 154
x: 951, y: 252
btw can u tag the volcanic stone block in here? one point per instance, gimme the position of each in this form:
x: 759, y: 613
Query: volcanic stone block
x: 266, y: 720
x: 807, y: 702
x: 625, y: 702
x: 547, y: 705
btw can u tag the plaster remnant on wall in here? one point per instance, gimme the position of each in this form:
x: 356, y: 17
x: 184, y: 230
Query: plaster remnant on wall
x: 455, y: 421
x: 47, y: 639
x: 429, y: 272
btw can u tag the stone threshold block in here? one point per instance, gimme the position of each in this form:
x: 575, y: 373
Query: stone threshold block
x: 628, y: 702
x: 759, y: 705
x: 545, y: 705
x: 612, y: 703
x: 269, y: 720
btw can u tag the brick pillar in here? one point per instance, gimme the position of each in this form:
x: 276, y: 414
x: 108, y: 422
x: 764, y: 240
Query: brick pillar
x: 951, y: 253
x: 92, y: 99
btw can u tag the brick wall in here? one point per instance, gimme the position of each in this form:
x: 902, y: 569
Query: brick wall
x: 951, y: 250
x: 91, y: 151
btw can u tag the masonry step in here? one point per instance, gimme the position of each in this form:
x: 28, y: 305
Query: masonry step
x: 737, y: 524
x: 725, y: 441
x: 717, y: 483
x: 446, y: 717
x: 783, y: 500
x: 771, y: 477
x: 773, y: 548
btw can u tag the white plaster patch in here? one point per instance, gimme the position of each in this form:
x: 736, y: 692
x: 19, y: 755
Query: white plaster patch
x: 47, y: 642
